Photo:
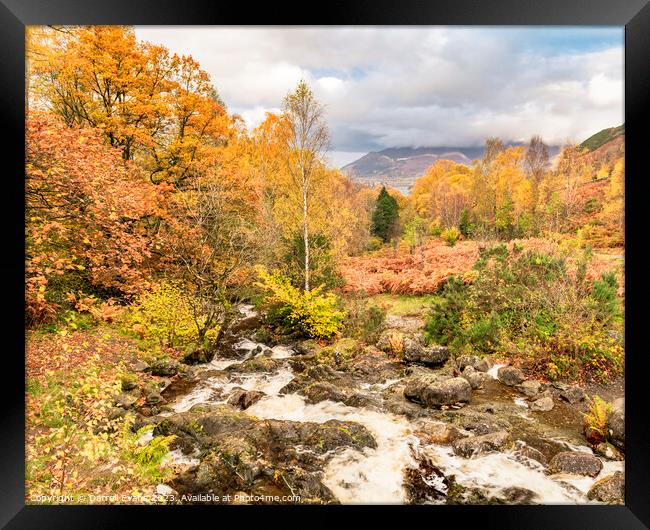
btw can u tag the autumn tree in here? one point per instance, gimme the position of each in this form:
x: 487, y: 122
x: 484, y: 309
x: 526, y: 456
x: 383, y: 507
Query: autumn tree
x: 89, y: 216
x: 306, y: 141
x: 159, y: 109
x: 537, y: 158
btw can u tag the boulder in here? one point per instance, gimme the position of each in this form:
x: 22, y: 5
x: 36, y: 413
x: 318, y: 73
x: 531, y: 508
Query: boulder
x: 140, y: 366
x: 323, y: 391
x: 542, y: 404
x: 616, y: 424
x: 475, y: 378
x: 610, y: 489
x: 609, y: 451
x: 153, y: 397
x: 476, y: 445
x: 415, y: 351
x: 256, y: 364
x: 242, y: 399
x: 439, y: 433
x: 575, y: 463
x: 481, y: 364
x: 432, y: 392
x: 572, y: 394
x: 510, y: 375
x: 530, y: 387
x: 164, y: 368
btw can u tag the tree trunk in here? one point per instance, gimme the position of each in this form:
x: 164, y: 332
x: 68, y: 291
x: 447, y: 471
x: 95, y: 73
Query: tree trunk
x: 305, y: 235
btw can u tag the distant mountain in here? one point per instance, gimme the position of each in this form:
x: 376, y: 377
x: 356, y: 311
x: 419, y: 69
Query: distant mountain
x: 401, y: 166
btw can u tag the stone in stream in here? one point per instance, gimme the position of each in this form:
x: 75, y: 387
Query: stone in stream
x: 510, y: 375
x: 256, y: 364
x: 242, y: 398
x: 476, y: 445
x: 610, y: 489
x: 475, y: 378
x: 609, y: 451
x: 576, y: 463
x: 530, y: 387
x: 481, y: 364
x: 433, y: 392
x: 439, y: 433
x: 543, y: 404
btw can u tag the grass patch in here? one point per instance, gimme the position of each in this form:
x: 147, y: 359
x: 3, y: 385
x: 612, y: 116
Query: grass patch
x: 404, y: 305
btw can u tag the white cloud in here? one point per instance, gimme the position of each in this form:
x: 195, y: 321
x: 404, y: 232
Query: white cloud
x: 398, y: 86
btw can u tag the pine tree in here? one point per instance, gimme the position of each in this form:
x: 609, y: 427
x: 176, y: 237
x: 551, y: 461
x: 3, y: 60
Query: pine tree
x: 384, y: 218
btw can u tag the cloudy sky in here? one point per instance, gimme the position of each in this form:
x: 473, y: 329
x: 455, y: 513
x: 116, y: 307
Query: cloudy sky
x: 418, y: 86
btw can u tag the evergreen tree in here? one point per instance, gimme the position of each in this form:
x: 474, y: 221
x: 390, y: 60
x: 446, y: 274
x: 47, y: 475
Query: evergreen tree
x: 384, y: 218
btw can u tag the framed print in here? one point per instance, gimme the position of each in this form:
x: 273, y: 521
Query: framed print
x: 376, y: 259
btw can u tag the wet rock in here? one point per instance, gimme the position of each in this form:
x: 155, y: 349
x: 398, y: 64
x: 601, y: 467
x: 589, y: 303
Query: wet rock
x: 530, y: 387
x: 481, y: 364
x: 256, y: 364
x: 164, y: 368
x: 510, y: 375
x: 476, y: 445
x: 432, y: 392
x: 525, y: 452
x: 475, y: 378
x: 426, y: 483
x: 542, y: 404
x: 198, y: 355
x: 616, y: 424
x: 516, y: 495
x: 323, y: 391
x: 439, y: 433
x: 242, y: 399
x: 610, y: 489
x: 415, y: 351
x: 576, y: 463
x: 572, y: 394
x: 609, y: 451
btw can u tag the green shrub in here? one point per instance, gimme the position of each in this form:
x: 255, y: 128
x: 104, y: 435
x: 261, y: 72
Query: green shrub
x: 528, y: 305
x: 450, y: 236
x: 311, y: 313
x: 364, y: 320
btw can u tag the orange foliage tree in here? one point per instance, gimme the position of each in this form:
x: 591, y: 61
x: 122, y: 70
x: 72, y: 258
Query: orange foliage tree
x: 89, y: 217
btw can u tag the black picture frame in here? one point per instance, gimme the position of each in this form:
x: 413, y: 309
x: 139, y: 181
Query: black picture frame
x: 633, y: 14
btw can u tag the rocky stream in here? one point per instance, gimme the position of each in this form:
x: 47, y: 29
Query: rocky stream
x: 294, y: 422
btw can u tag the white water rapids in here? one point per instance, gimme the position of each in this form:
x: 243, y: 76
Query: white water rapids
x: 377, y: 475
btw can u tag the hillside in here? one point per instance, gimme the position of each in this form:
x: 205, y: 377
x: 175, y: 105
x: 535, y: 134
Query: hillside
x: 602, y: 137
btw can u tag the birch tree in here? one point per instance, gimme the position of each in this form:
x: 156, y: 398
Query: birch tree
x: 307, y: 141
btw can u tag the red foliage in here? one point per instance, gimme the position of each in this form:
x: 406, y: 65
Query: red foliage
x: 426, y: 271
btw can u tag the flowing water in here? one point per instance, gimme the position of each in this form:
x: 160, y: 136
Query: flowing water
x: 377, y: 475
